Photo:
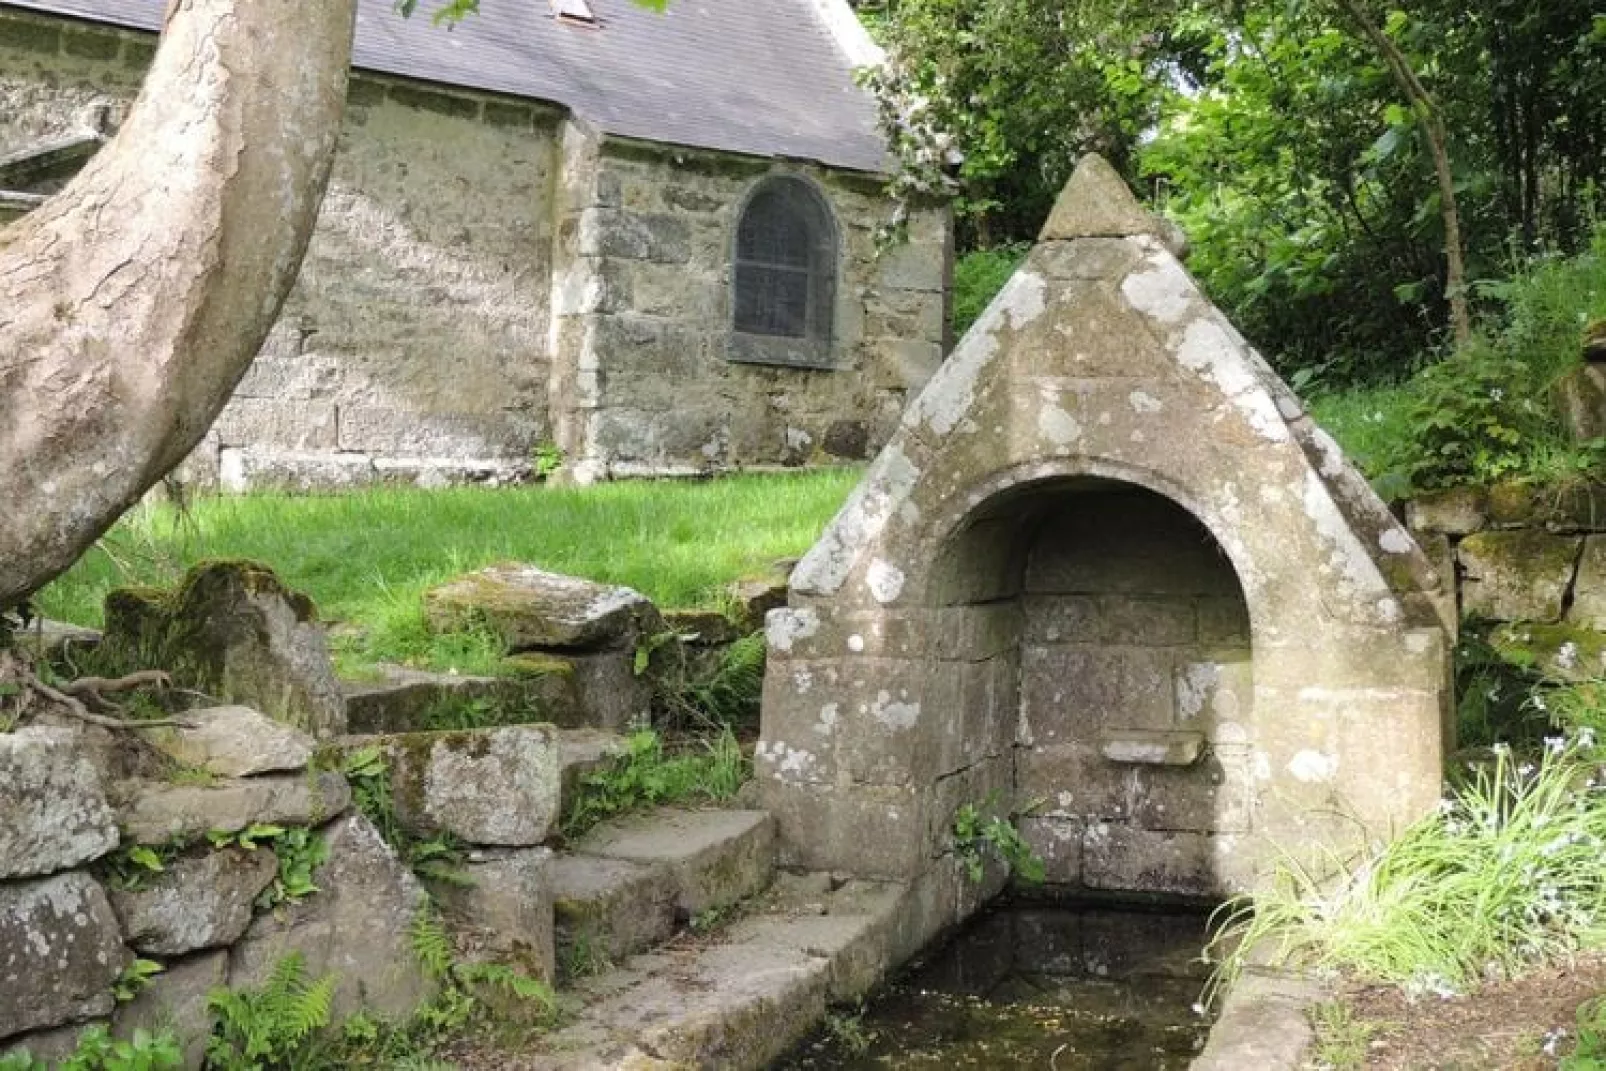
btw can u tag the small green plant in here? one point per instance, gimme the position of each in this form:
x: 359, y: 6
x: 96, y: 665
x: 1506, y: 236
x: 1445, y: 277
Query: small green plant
x: 648, y: 774
x: 584, y: 956
x: 278, y: 1025
x: 978, y: 835
x: 726, y: 694
x: 1342, y: 1040
x: 132, y: 866
x: 546, y: 459
x: 1589, y: 1053
x: 301, y: 851
x: 846, y: 1027
x: 455, y: 713
x: 97, y: 1050
x: 135, y: 977
x: 437, y: 858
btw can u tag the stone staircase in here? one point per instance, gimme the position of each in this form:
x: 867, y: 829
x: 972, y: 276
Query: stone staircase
x: 680, y: 944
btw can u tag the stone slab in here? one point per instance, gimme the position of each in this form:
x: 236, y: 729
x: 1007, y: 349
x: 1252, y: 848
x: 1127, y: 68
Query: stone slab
x: 357, y: 927
x: 1264, y: 1024
x: 155, y: 812
x: 60, y: 951
x: 199, y: 902
x: 56, y: 815
x: 236, y: 741
x: 717, y: 858
x: 176, y: 1001
x: 533, y: 609
x: 607, y: 909
x: 499, y: 787
x: 1589, y: 589
x: 1518, y: 575
x: 505, y: 901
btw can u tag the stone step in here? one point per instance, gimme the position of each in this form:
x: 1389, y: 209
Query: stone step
x: 596, y: 689
x: 738, y: 999
x: 625, y: 885
x: 505, y: 786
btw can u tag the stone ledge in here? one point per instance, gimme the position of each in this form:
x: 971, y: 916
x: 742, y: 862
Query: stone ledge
x: 1263, y: 1025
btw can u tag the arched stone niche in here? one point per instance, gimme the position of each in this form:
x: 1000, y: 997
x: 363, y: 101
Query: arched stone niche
x: 1110, y: 571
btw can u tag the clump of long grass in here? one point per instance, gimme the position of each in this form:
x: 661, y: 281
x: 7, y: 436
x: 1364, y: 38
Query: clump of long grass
x: 1506, y: 875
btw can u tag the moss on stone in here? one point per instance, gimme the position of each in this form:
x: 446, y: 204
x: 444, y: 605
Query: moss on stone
x: 1568, y: 652
x: 533, y: 665
x: 1524, y: 552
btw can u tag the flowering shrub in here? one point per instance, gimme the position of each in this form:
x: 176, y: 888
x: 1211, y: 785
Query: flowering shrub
x: 1506, y: 875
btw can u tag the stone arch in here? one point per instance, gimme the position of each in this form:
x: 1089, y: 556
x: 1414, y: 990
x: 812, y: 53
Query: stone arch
x: 1130, y: 671
x: 888, y: 704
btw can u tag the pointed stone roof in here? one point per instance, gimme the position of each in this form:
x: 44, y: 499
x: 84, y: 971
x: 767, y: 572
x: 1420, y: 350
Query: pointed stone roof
x: 1103, y: 354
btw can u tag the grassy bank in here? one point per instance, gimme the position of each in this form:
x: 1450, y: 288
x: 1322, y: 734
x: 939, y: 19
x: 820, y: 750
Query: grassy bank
x: 366, y: 557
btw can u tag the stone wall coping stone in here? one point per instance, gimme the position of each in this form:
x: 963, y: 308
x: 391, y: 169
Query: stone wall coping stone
x: 1263, y: 1024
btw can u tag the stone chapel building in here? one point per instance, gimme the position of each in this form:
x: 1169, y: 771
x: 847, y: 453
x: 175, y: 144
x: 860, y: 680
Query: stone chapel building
x: 645, y: 239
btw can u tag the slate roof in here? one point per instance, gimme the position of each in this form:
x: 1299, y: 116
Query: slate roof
x: 764, y: 77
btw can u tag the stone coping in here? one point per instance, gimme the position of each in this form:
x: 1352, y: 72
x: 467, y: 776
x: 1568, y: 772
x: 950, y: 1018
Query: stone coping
x: 1263, y: 1024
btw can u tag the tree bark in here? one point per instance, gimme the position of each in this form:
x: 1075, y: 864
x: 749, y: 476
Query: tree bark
x: 1432, y: 120
x: 132, y: 302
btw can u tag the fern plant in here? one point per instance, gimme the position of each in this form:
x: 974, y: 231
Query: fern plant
x: 277, y: 1026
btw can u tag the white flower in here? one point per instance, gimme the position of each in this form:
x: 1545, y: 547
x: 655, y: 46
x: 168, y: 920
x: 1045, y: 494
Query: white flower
x: 1567, y: 655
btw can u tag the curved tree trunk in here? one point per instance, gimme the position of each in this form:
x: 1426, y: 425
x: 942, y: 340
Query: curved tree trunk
x: 133, y: 301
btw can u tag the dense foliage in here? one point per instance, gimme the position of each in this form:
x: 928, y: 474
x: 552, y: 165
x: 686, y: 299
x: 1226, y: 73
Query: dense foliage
x: 1274, y: 131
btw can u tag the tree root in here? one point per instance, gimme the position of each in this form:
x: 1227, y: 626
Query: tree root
x: 70, y: 698
x: 77, y: 709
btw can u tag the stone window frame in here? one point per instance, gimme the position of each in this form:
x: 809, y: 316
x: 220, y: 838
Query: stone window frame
x: 817, y: 349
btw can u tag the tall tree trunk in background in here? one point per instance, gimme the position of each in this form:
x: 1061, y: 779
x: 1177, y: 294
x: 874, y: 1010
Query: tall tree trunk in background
x: 133, y: 301
x: 1432, y: 120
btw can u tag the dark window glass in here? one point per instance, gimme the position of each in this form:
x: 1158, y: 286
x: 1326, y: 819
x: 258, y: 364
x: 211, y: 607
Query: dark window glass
x: 785, y: 263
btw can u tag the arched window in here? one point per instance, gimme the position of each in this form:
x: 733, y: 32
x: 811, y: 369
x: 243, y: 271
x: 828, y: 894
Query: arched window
x: 785, y: 278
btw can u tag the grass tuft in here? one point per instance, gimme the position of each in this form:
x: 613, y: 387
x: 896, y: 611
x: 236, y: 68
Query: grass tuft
x: 1505, y: 876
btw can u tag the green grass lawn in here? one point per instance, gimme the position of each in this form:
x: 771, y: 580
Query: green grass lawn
x: 366, y: 557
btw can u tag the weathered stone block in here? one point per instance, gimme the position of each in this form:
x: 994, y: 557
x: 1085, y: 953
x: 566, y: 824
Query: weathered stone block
x: 1457, y: 512
x: 1073, y: 780
x: 356, y: 927
x: 1579, y: 397
x: 1216, y: 695
x: 176, y: 1001
x: 716, y: 858
x: 1151, y: 748
x: 541, y: 687
x: 1057, y: 841
x: 270, y: 422
x: 634, y: 236
x: 609, y: 693
x: 1148, y: 621
x: 234, y: 630
x: 1518, y: 575
x: 1069, y: 692
x: 389, y: 432
x: 1223, y: 621
x: 507, y: 904
x: 237, y: 742
x: 198, y: 902
x: 252, y: 468
x: 53, y: 802
x: 1589, y: 589
x: 154, y: 812
x: 607, y: 909
x: 531, y: 608
x: 60, y: 952
x: 1140, y: 860
x: 501, y: 787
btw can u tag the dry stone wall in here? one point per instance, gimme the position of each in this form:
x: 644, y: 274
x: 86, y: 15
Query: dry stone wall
x: 1530, y: 560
